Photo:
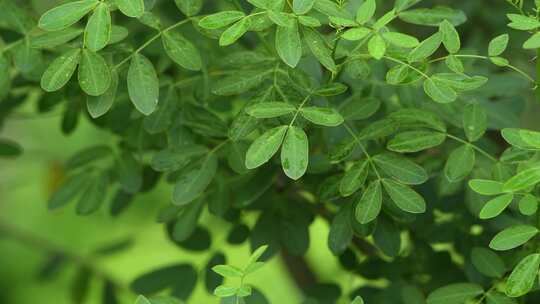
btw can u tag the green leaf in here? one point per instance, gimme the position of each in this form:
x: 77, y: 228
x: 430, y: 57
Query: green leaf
x: 439, y: 91
x: 523, y: 180
x: 460, y: 163
x: 60, y: 71
x: 9, y: 148
x: 486, y: 187
x: 328, y: 117
x: 414, y: 141
x: 360, y: 108
x: 237, y: 84
x: 433, y: 16
x: 533, y: 42
x: 358, y: 300
x: 228, y: 271
x: 332, y: 89
x: 355, y: 34
x: 54, y: 39
x: 131, y: 8
x: 342, y: 22
x: 522, y: 278
x: 224, y: 291
x: 264, y: 147
x: 494, y: 297
x: 192, y: 183
x: 66, y: 15
x: 377, y: 47
x: 295, y: 153
x: 401, y: 5
x: 93, y: 196
x: 87, y: 156
x: 94, y: 74
x: 413, y: 117
x: 142, y: 300
x: 378, y: 129
x: 330, y: 8
x: 98, y: 29
x: 401, y: 168
x: 68, y: 191
x: 387, y: 237
x: 521, y: 22
x: 474, y: 121
x: 450, y: 37
x: 256, y: 255
x: 270, y: 109
x: 301, y: 7
x: 275, y: 5
x: 513, y: 237
x: 384, y: 20
x: 221, y: 19
x: 401, y: 40
x: 487, y: 262
x: 118, y: 34
x: 523, y: 139
x: 397, y: 74
x: 404, y: 197
x: 309, y: 21
x: 281, y: 19
x: 235, y: 32
x: 288, y: 44
x: 174, y: 159
x: 426, y: 48
x: 498, y: 45
x: 319, y: 49
x: 528, y: 205
x: 366, y: 11
x: 143, y: 84
x: 341, y: 231
x: 454, y: 64
x: 189, y: 7
x: 454, y: 293
x: 181, y: 51
x: 496, y: 206
x: 499, y: 61
x: 354, y: 178
x: 129, y: 173
x: 369, y: 206
x: 99, y: 105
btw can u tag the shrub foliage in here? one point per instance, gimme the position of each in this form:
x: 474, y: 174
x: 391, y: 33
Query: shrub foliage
x: 383, y: 119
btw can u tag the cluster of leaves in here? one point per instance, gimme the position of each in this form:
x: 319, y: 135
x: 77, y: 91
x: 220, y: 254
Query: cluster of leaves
x: 388, y: 136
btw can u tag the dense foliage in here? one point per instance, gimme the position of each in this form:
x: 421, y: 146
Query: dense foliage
x: 398, y: 123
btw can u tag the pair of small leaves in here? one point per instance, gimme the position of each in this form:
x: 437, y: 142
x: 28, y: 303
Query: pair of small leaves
x: 228, y: 271
x: 98, y: 29
x: 94, y: 72
x: 294, y: 152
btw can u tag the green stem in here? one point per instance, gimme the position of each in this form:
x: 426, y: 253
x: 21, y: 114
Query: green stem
x: 299, y: 109
x: 368, y: 157
x: 408, y: 65
x: 514, y: 68
x: 475, y: 147
x: 11, y: 45
x: 149, y: 41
